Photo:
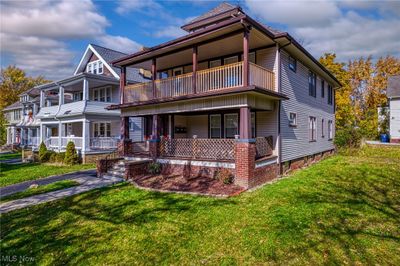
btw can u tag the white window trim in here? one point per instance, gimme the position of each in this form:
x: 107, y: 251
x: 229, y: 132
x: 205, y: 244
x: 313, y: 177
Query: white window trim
x: 330, y: 129
x: 98, y: 126
x: 237, y: 128
x: 95, y: 65
x: 291, y: 122
x: 105, y: 94
x: 220, y: 127
x: 312, y: 128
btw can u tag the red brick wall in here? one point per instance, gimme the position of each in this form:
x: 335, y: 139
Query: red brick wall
x: 394, y: 140
x: 264, y: 174
x: 305, y: 161
x: 136, y: 168
x: 245, y: 154
x: 103, y: 165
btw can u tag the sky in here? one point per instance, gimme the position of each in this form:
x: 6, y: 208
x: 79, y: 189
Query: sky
x: 48, y: 37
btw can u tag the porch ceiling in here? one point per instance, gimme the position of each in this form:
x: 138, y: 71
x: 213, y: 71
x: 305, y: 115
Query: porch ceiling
x: 218, y: 48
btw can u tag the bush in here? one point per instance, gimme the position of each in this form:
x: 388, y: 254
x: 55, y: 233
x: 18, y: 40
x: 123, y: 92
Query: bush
x: 225, y: 176
x: 348, y: 137
x: 71, y: 157
x: 60, y: 157
x: 43, y: 152
x: 52, y: 156
x: 154, y: 168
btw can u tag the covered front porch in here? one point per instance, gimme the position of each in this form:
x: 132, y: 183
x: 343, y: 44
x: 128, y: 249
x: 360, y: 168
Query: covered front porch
x: 237, y: 132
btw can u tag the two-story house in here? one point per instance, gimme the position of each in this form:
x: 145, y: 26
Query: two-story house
x: 22, y: 125
x: 231, y: 94
x: 79, y: 114
x: 393, y: 94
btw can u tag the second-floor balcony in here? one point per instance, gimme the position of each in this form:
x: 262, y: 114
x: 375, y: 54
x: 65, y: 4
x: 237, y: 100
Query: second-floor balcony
x: 216, y: 79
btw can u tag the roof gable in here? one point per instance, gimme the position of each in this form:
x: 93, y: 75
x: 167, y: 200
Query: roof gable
x: 102, y: 54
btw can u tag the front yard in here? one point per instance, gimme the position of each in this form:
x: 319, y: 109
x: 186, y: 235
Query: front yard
x: 343, y: 210
x: 16, y: 173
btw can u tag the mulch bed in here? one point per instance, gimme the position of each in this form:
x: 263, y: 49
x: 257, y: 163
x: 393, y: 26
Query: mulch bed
x: 179, y: 183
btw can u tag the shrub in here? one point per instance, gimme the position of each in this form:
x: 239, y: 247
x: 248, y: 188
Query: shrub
x: 42, y: 152
x: 60, y: 157
x: 225, y: 176
x: 52, y: 157
x: 348, y: 137
x: 71, y: 156
x: 154, y: 168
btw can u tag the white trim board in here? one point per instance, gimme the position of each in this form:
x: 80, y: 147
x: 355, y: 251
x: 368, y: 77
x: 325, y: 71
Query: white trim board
x: 85, y: 57
x: 197, y: 163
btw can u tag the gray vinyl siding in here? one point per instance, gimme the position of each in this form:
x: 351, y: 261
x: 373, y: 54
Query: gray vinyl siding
x: 267, y: 125
x: 267, y: 58
x: 136, y: 129
x: 295, y: 140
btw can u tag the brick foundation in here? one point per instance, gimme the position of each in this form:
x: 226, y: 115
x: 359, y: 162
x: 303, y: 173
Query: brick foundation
x: 295, y: 164
x: 93, y: 157
x: 395, y: 141
x: 264, y: 174
x: 154, y: 148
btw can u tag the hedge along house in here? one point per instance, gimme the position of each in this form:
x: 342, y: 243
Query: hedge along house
x: 231, y: 94
x: 79, y: 113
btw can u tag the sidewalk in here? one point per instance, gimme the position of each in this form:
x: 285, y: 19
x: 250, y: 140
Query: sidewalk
x: 86, y: 183
x: 11, y: 189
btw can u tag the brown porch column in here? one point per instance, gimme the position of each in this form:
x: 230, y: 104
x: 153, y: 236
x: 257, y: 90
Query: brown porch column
x: 124, y: 146
x: 154, y: 76
x: 245, y: 151
x: 194, y: 59
x: 122, y: 83
x: 154, y: 143
x: 246, y: 57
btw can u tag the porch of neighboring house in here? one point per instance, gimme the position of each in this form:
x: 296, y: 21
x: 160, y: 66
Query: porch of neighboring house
x: 91, y: 136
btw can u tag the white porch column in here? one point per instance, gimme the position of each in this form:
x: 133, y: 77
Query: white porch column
x: 85, y: 89
x: 60, y: 126
x: 29, y: 136
x: 22, y: 136
x: 60, y: 95
x: 8, y: 135
x: 35, y: 109
x: 42, y: 100
x: 85, y: 136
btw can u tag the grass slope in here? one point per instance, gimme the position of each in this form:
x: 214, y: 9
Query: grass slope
x: 40, y: 190
x: 345, y: 209
x: 16, y: 173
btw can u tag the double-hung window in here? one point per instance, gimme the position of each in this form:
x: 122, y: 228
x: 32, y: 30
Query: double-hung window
x: 292, y: 64
x: 95, y: 67
x: 231, y: 125
x: 215, y: 126
x: 102, y: 94
x: 101, y: 129
x: 312, y: 128
x: 312, y: 84
x: 322, y: 89
x: 330, y: 95
x: 330, y: 129
x: 323, y: 128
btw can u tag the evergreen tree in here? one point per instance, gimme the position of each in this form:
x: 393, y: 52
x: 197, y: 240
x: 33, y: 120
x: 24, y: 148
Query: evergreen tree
x: 71, y: 157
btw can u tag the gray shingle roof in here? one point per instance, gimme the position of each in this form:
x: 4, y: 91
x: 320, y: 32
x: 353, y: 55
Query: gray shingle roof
x: 16, y: 105
x: 223, y: 7
x: 393, y: 89
x: 110, y: 55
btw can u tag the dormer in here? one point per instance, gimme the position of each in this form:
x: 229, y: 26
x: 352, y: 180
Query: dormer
x: 223, y: 12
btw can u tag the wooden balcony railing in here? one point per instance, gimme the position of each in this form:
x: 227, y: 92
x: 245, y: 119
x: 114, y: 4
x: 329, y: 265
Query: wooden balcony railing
x: 208, y: 80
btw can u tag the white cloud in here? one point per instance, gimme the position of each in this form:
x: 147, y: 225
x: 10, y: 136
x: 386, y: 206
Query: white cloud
x: 295, y: 12
x: 65, y: 19
x: 126, y: 6
x: 34, y: 34
x: 170, y: 32
x: 119, y: 43
x: 341, y: 27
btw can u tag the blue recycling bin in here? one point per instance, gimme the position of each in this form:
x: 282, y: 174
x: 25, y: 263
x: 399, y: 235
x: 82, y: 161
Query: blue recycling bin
x: 384, y: 138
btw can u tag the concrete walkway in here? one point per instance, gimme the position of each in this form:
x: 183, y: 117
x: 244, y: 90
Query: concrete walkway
x: 11, y: 189
x: 86, y: 183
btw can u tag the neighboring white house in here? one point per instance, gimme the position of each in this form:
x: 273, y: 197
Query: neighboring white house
x: 393, y: 94
x: 73, y: 109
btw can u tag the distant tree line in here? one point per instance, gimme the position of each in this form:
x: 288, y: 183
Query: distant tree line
x: 363, y: 90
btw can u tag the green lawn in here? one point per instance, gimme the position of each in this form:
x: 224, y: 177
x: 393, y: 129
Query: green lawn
x: 8, y: 156
x: 343, y: 210
x: 40, y: 190
x: 16, y: 173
